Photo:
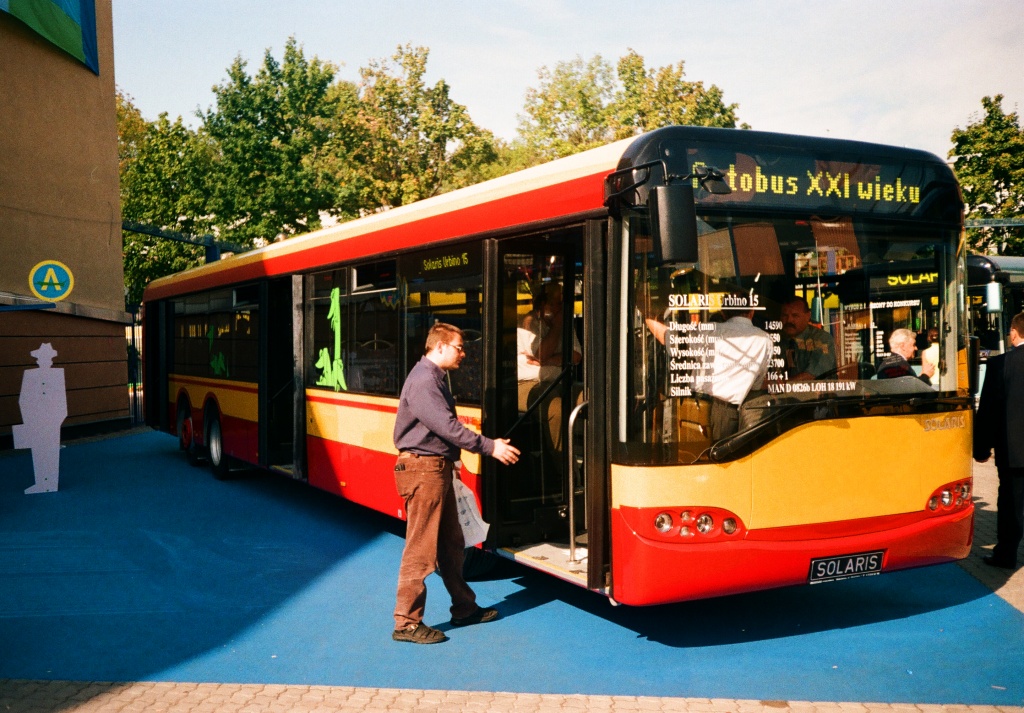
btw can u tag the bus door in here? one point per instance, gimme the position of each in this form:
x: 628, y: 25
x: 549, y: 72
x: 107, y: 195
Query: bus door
x: 277, y: 380
x: 539, y: 384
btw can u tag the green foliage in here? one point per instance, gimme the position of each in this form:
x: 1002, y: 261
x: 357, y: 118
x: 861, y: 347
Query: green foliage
x: 412, y: 141
x: 291, y: 143
x: 570, y: 110
x: 583, y: 104
x: 989, y: 163
x: 268, y: 130
x: 163, y: 167
x: 651, y: 99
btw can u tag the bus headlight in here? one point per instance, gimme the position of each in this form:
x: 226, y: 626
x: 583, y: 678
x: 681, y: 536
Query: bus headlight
x: 705, y: 523
x: 663, y: 522
x: 729, y: 526
x: 947, y: 498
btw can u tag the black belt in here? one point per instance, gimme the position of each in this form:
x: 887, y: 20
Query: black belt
x: 409, y: 455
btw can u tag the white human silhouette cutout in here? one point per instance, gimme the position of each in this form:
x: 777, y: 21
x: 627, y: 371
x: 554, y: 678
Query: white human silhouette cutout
x: 44, y: 407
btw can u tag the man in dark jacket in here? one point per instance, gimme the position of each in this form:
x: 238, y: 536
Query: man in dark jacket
x: 999, y: 427
x: 429, y: 438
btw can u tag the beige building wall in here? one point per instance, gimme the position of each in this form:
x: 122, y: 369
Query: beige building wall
x: 59, y: 200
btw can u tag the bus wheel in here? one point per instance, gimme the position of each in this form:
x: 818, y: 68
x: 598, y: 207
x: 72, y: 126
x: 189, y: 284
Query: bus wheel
x: 215, y: 442
x: 187, y: 435
x: 478, y: 563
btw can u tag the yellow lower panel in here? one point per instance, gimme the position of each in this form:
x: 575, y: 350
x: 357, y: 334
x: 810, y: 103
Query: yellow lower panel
x: 369, y: 421
x: 237, y: 399
x: 725, y: 486
x: 828, y: 471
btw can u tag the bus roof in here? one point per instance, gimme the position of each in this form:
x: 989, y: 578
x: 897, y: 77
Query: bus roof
x: 1001, y: 268
x: 646, y: 147
x: 561, y: 188
x: 573, y: 186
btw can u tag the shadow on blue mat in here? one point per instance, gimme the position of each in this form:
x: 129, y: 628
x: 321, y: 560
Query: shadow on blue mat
x: 140, y: 561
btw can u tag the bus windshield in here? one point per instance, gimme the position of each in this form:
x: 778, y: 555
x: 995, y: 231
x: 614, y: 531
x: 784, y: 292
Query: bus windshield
x: 781, y: 321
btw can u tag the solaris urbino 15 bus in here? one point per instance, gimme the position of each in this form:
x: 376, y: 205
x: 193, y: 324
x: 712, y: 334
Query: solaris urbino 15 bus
x: 591, y: 291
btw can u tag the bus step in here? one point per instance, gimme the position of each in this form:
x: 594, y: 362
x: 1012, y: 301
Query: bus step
x: 287, y: 469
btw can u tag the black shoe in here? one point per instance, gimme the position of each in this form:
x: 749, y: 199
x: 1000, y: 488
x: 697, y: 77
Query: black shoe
x: 419, y: 634
x: 1002, y: 564
x: 482, y: 615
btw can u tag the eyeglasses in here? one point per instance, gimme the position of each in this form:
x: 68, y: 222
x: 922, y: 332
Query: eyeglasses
x: 457, y: 346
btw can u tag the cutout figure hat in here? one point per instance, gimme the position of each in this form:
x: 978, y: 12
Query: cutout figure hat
x: 44, y: 352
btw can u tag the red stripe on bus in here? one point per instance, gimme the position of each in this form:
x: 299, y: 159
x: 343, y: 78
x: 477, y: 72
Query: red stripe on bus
x: 214, y: 384
x: 384, y: 408
x: 362, y: 475
x: 572, y: 197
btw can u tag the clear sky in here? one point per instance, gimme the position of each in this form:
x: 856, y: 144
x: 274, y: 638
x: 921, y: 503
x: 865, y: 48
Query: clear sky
x: 903, y: 72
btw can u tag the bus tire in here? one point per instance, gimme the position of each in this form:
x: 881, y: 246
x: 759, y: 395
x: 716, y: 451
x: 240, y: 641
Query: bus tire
x: 478, y: 563
x: 187, y: 434
x: 219, y: 460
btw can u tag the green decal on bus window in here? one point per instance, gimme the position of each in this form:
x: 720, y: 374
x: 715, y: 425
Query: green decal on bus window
x: 333, y: 374
x: 218, y: 363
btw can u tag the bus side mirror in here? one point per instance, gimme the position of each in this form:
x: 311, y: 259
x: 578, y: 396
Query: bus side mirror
x: 993, y: 297
x: 673, y: 222
x: 973, y: 364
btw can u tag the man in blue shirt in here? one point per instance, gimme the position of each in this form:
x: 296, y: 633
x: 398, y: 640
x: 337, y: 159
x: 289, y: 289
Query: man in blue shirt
x: 429, y: 438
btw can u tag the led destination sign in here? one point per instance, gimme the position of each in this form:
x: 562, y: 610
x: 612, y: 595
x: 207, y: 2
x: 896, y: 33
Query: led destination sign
x: 842, y: 185
x: 793, y: 178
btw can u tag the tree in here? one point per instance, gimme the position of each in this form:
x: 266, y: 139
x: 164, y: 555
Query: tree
x: 268, y: 130
x: 989, y: 163
x: 336, y: 162
x: 570, y: 110
x: 163, y: 167
x: 650, y: 99
x: 582, y: 104
x: 414, y: 141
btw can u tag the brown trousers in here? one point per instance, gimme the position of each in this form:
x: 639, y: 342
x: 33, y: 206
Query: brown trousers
x: 433, y: 539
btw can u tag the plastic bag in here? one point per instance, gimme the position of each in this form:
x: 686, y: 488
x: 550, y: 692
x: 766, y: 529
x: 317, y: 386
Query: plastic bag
x: 474, y: 529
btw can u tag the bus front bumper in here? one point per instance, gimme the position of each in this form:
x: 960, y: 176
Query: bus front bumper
x: 646, y: 571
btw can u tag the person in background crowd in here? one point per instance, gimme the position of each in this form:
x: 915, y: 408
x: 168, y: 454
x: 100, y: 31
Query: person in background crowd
x: 739, y: 364
x: 998, y: 427
x: 810, y: 351
x: 903, y: 346
x: 930, y: 353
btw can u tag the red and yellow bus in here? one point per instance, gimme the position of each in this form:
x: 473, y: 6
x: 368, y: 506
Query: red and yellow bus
x: 291, y: 357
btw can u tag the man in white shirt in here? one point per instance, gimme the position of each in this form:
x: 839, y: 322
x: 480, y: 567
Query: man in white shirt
x: 739, y: 364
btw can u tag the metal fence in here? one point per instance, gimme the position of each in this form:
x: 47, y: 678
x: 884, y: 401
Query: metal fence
x: 136, y: 358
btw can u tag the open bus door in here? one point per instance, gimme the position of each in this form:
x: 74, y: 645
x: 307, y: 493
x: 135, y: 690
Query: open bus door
x: 538, y: 293
x: 280, y: 432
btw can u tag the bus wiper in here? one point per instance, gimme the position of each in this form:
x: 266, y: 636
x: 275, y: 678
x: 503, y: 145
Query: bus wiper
x: 722, y: 450
x: 917, y: 399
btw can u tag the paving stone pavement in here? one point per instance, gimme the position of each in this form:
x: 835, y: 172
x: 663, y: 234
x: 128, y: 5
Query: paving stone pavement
x: 144, y: 697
